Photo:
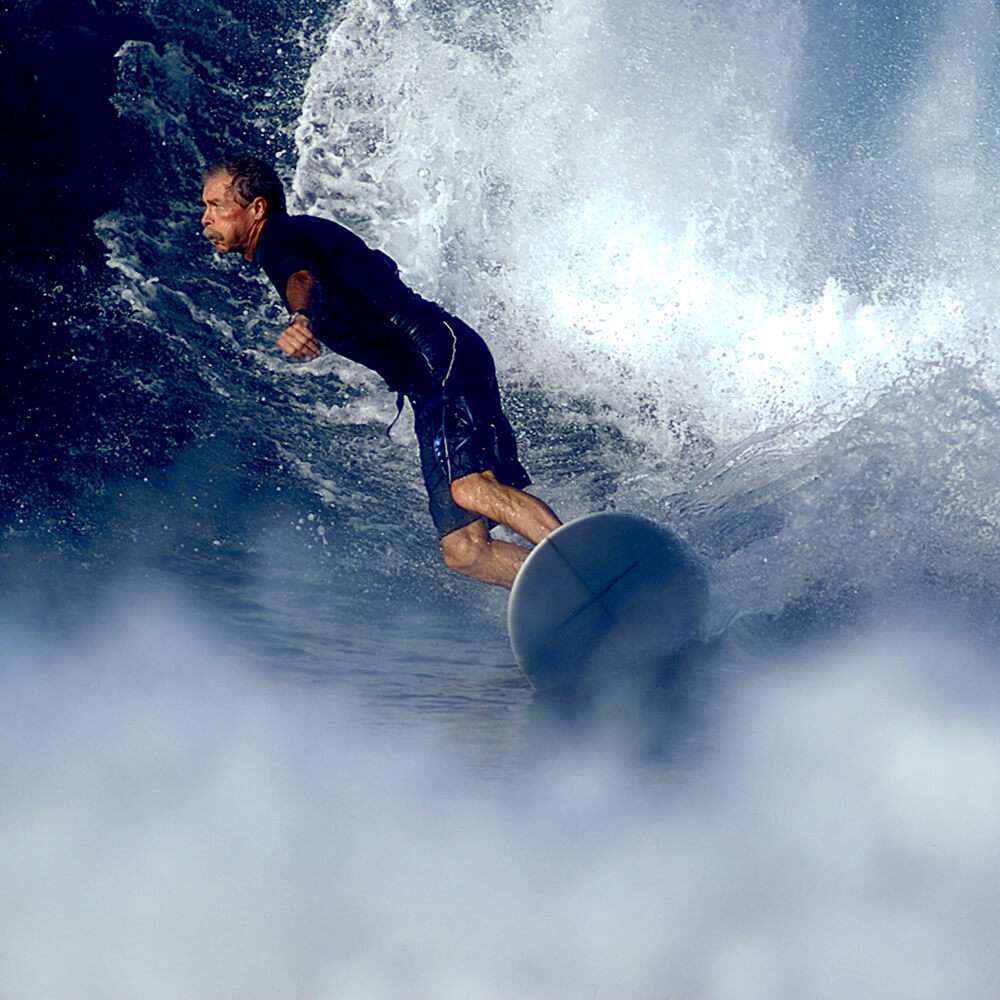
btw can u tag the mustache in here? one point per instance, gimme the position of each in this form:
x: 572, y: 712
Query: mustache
x: 211, y: 234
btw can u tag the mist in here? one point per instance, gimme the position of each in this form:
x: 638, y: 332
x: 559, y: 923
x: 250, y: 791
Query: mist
x: 177, y: 822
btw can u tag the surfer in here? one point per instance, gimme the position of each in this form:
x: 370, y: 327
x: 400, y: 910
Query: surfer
x: 342, y: 294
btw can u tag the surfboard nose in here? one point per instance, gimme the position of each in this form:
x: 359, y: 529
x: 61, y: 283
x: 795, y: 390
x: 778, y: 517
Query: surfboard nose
x: 608, y: 594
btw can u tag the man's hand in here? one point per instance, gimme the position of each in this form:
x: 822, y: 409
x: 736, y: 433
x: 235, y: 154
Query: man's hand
x: 297, y: 340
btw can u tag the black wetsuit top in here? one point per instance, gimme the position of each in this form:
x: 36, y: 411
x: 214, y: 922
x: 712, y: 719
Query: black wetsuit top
x: 366, y: 313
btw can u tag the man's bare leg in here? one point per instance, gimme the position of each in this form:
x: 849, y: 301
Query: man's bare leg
x: 471, y: 551
x: 523, y: 513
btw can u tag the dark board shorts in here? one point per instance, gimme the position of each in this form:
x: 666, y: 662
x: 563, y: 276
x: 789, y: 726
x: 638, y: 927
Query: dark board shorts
x: 462, y: 429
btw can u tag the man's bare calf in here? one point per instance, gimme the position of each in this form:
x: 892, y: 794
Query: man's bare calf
x: 470, y: 550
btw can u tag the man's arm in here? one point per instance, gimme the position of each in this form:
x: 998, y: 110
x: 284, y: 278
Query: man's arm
x: 305, y: 298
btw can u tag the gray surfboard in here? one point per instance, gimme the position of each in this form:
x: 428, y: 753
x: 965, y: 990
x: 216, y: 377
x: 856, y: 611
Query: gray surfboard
x: 603, y: 596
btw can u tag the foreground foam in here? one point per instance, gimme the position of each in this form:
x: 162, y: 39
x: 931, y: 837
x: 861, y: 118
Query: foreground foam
x: 173, y: 825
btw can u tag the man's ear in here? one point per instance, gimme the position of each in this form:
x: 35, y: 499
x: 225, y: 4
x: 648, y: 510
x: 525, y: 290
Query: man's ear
x: 259, y: 208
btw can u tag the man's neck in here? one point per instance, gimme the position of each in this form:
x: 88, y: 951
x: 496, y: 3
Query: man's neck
x: 251, y: 245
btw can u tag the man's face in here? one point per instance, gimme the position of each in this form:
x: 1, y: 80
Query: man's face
x: 226, y: 223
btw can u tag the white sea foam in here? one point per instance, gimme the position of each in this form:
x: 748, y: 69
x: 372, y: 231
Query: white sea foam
x: 621, y: 201
x: 173, y: 825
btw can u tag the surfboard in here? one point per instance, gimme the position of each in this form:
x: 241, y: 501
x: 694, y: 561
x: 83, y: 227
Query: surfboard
x: 604, y: 596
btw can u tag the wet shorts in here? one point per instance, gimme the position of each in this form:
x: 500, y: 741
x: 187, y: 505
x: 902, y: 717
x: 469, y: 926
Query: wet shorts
x: 462, y: 429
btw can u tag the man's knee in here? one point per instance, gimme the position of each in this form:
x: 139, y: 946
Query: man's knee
x: 462, y: 549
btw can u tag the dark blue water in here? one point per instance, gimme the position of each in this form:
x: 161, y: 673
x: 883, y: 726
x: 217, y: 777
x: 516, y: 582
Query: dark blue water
x: 737, y: 265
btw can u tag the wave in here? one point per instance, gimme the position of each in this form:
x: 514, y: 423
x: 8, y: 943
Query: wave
x: 735, y: 263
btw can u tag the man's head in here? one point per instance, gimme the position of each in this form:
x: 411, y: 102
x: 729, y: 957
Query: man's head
x: 239, y: 193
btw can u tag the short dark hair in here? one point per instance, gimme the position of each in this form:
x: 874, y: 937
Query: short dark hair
x: 252, y: 178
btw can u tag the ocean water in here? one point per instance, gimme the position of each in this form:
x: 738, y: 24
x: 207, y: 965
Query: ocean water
x: 737, y: 264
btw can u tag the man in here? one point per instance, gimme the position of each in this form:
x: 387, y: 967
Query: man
x: 345, y: 295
